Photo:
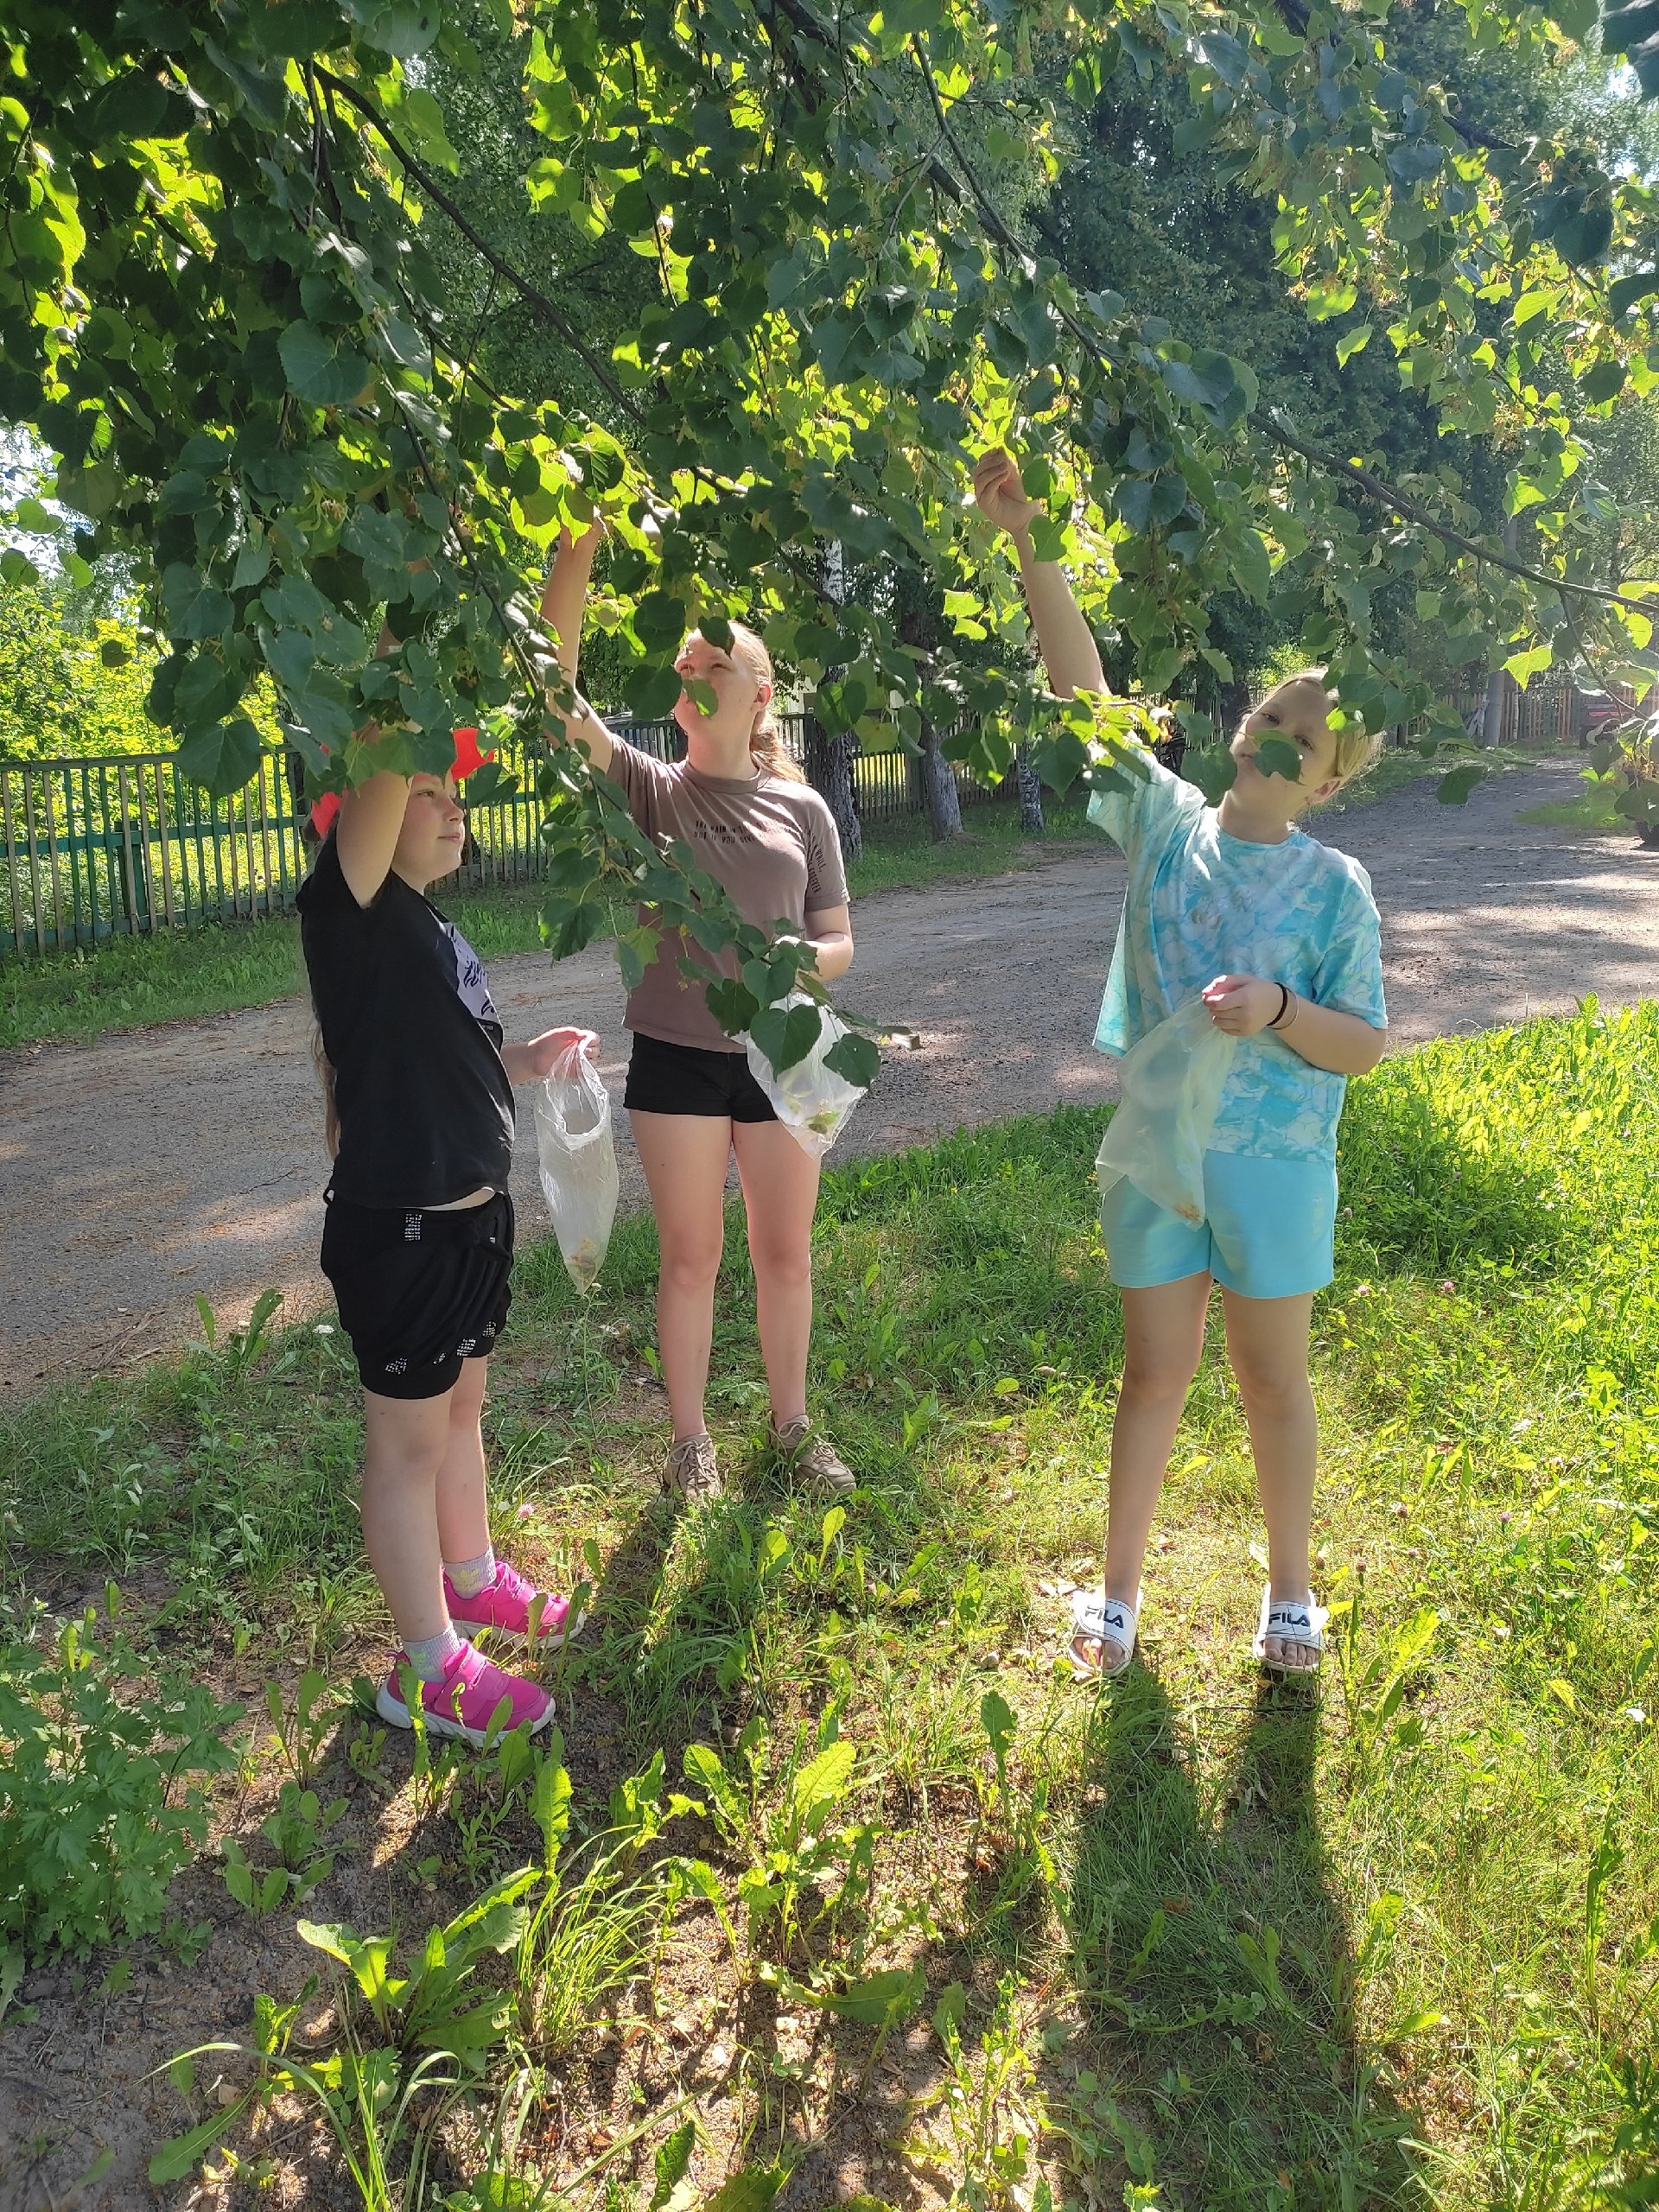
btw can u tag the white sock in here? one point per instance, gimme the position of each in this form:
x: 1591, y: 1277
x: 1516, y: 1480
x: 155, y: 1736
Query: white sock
x: 432, y: 1656
x: 469, y: 1576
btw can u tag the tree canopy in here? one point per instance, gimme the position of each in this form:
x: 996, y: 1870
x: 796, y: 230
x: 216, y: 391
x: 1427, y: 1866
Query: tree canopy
x: 229, y: 304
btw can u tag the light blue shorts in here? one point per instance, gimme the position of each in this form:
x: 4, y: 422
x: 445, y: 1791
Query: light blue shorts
x: 1268, y: 1229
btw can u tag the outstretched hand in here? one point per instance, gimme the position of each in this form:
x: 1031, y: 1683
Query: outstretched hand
x: 1000, y: 495
x: 1242, y: 1005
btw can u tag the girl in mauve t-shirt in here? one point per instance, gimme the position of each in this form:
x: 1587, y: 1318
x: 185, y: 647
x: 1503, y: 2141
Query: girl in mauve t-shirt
x: 755, y: 824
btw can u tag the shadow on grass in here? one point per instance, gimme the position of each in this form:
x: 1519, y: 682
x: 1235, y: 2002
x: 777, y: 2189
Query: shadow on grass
x: 1425, y: 1187
x: 1215, y: 1964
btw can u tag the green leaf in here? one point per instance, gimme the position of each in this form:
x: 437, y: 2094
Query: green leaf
x: 1456, y: 784
x: 403, y: 28
x: 996, y: 1717
x: 191, y: 607
x: 1252, y: 564
x: 1415, y: 161
x: 1213, y: 770
x: 881, y: 2000
x: 750, y: 2192
x: 1603, y: 382
x: 1277, y: 756
x: 1352, y: 342
x: 854, y: 1059
x: 222, y: 758
x: 1623, y: 293
x: 673, y: 2163
x: 733, y: 1006
x: 821, y: 1782
x: 177, y: 2159
x: 786, y: 1038
x: 1585, y: 237
x: 651, y: 693
x: 320, y: 369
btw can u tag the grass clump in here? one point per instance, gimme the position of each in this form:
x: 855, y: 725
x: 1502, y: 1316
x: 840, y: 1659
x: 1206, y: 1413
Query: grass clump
x: 1219, y: 1944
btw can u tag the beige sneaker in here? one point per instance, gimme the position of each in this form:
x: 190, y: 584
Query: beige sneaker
x: 812, y: 1456
x: 692, y: 1470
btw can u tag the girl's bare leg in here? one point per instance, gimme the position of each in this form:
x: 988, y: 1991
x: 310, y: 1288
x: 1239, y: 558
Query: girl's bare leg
x: 1163, y: 1342
x: 406, y: 1441
x: 1267, y: 1344
x: 781, y: 1194
x: 462, y: 1495
x: 684, y: 1157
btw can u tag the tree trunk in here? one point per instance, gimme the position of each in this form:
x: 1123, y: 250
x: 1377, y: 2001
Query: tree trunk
x: 829, y: 766
x: 1500, y: 684
x: 939, y: 788
x: 829, y: 760
x: 921, y: 614
x: 1030, y: 786
x: 1496, y: 712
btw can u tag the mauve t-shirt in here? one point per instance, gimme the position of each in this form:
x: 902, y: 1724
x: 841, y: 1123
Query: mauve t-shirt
x: 771, y: 846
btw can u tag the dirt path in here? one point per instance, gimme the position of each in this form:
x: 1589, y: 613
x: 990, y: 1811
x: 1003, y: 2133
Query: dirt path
x: 147, y: 1166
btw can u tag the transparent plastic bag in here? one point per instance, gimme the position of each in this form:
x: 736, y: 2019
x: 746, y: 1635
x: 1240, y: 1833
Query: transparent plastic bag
x: 810, y: 1100
x: 1172, y: 1081
x: 578, y: 1163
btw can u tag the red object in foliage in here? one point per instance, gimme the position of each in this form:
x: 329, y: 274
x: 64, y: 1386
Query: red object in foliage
x: 467, y: 761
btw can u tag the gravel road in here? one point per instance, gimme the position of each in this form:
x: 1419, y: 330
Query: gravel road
x: 154, y: 1164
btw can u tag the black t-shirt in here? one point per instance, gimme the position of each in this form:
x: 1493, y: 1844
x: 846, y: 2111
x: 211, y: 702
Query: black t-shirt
x: 425, y: 1107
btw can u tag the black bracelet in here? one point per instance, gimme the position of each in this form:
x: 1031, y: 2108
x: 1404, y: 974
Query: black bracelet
x: 1284, y: 1006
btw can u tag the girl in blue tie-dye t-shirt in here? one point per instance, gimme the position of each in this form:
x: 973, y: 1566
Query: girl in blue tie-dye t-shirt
x: 1278, y: 935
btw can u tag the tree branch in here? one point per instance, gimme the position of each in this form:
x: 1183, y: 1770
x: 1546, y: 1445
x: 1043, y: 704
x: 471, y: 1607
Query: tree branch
x: 1295, y: 15
x: 1383, y: 494
x: 521, y: 284
x: 1364, y: 481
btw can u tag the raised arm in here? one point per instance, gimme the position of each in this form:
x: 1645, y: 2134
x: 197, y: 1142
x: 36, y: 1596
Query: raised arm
x: 1069, y: 653
x: 565, y: 595
x: 370, y: 821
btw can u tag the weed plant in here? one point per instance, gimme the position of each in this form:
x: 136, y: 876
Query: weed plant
x: 1219, y: 1945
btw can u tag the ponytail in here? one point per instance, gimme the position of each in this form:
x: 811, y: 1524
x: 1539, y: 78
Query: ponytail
x: 766, y: 747
x: 325, y: 1069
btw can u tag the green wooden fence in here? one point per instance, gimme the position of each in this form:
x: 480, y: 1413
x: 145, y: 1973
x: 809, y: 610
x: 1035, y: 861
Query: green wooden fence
x: 100, y: 848
x: 96, y: 848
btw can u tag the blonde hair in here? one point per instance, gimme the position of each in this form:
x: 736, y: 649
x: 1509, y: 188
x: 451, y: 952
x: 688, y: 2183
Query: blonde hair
x: 766, y: 746
x: 1357, y: 747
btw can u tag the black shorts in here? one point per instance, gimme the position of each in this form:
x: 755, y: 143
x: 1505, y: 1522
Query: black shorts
x: 418, y: 1293
x: 664, y: 1078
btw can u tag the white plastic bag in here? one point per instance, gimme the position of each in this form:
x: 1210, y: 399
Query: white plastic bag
x: 1172, y: 1081
x: 810, y: 1100
x: 578, y: 1163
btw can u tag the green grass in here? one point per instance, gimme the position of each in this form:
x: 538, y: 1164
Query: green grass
x: 1388, y: 1944
x: 1591, y: 813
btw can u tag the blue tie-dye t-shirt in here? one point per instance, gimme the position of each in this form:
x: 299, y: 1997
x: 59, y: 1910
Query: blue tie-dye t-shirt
x: 1202, y: 904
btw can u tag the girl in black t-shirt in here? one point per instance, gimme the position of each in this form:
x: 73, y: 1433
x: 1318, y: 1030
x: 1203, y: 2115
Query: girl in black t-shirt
x: 417, y: 1238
